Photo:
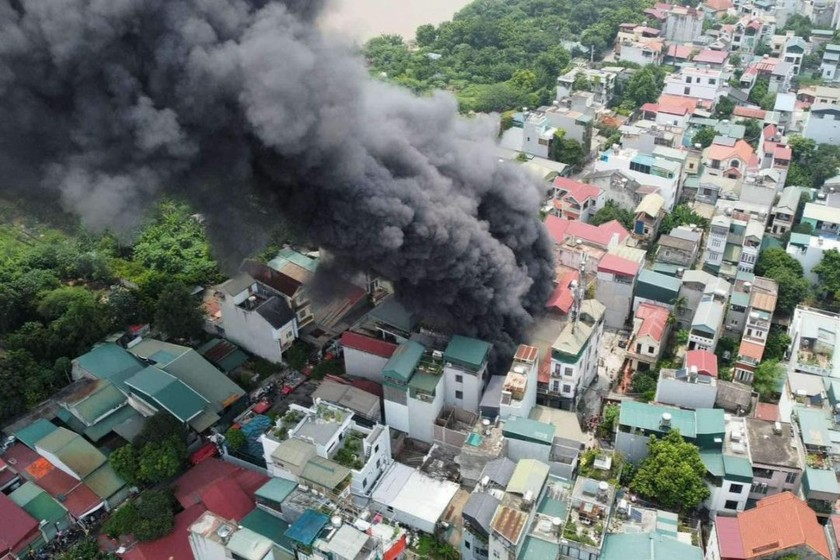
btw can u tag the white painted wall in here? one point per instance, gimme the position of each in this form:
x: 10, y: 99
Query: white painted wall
x: 362, y: 364
x: 617, y: 297
x: 422, y: 414
x: 252, y: 332
x: 684, y: 394
x: 719, y: 496
x: 469, y: 383
x: 378, y: 444
x: 205, y: 549
x: 396, y: 415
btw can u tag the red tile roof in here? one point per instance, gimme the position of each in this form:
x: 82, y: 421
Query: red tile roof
x: 689, y: 103
x: 618, y: 265
x: 769, y: 131
x: 740, y: 150
x: 18, y: 526
x: 710, y: 56
x: 561, y: 299
x: 751, y: 350
x: 782, y: 152
x: 705, y: 361
x: 580, y: 192
x: 368, y: 344
x: 679, y: 51
x: 544, y: 371
x: 835, y: 524
x: 175, y: 545
x: 729, y: 537
x: 779, y: 523
x: 525, y: 353
x: 226, y: 499
x: 718, y: 5
x: 189, y: 488
x: 768, y: 411
x: 654, y: 320
x: 749, y: 112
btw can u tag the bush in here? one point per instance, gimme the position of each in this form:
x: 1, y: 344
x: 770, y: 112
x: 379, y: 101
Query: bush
x: 149, y: 517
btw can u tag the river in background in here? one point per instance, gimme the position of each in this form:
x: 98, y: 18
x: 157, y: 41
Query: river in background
x: 363, y: 19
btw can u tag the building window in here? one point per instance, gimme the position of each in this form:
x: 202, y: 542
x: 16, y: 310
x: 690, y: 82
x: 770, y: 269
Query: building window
x: 568, y: 371
x: 651, y: 350
x: 736, y: 488
x: 687, y: 91
x: 712, y: 81
x: 567, y: 388
x: 459, y: 394
x: 376, y: 448
x: 364, y: 483
x: 459, y: 378
x: 790, y: 478
x: 759, y: 488
x: 467, y: 545
x: 688, y: 79
x: 730, y: 504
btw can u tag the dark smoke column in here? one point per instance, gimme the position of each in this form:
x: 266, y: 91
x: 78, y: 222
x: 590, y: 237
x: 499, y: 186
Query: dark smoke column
x: 248, y: 111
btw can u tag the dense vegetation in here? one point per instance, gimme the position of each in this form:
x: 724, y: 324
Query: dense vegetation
x: 63, y: 290
x: 148, y: 517
x: 156, y: 454
x: 672, y: 474
x: 501, y: 54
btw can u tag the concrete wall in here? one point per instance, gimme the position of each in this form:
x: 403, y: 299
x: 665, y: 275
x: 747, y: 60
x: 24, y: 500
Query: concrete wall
x: 378, y: 445
x: 422, y: 414
x: 719, y: 496
x: 471, y: 386
x: 823, y: 130
x: 809, y: 257
x: 205, y: 549
x: 477, y: 549
x: 685, y: 395
x: 362, y: 364
x: 396, y: 415
x: 518, y: 449
x: 776, y: 483
x: 617, y: 297
x: 249, y: 330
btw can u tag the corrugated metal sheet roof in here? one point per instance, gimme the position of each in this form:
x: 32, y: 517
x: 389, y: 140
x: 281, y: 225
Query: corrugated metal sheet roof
x: 466, y: 351
x: 168, y: 392
x: 510, y: 523
x: 73, y: 451
x: 647, y: 546
x: 306, y: 529
x: 518, y: 427
x: 529, y: 476
x: 324, y: 472
x: 31, y: 434
x: 276, y: 489
x: 404, y: 360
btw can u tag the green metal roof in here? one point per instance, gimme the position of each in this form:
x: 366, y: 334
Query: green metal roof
x: 529, y: 430
x: 403, y: 362
x: 819, y: 480
x: 38, y: 504
x: 714, y: 462
x: 105, y: 398
x: 324, y: 472
x: 391, y: 312
x: 111, y: 362
x: 73, y: 451
x: 667, y: 523
x: 800, y: 239
x: 276, y: 490
x: 271, y: 527
x: 538, y: 549
x: 737, y: 468
x: 649, y: 417
x: 656, y: 286
x: 200, y: 376
x: 101, y: 429
x: 287, y: 255
x: 105, y: 482
x: 813, y: 426
x: 468, y: 352
x: 710, y: 421
x: 31, y: 434
x: 168, y: 392
x: 668, y: 269
x: 529, y: 475
x: 425, y: 382
x: 647, y: 546
x: 740, y: 299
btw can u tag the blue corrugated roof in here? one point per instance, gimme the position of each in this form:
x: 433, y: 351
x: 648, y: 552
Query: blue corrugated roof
x: 306, y: 529
x: 31, y: 434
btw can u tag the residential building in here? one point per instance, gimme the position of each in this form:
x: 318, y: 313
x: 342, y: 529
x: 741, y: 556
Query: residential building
x: 735, y: 239
x: 52, y: 516
x: 255, y: 317
x: 465, y: 372
x: 577, y: 244
x: 614, y: 284
x: 728, y: 157
x: 20, y: 530
x: 641, y: 52
x: 361, y: 403
x: 707, y: 324
x: 682, y: 24
x: 287, y: 275
x: 779, y: 525
x: 638, y: 421
x: 830, y: 63
x: 603, y: 81
x: 412, y: 498
x: 679, y: 252
x: 696, y: 284
x: 519, y: 390
x: 574, y: 356
x: 648, y: 217
x: 751, y: 309
x: 824, y: 220
x: 690, y: 386
x: 795, y: 49
x: 823, y: 124
x: 777, y: 465
x: 785, y: 210
x: 330, y: 447
x: 576, y: 124
x: 655, y: 287
x: 365, y: 356
x: 809, y: 251
x: 730, y: 474
x: 650, y: 332
x: 703, y: 84
x: 649, y: 170
x: 814, y: 342
x: 574, y: 200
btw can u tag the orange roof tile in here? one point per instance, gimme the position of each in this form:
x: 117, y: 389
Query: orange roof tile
x: 526, y: 353
x: 763, y: 300
x: 740, y: 149
x: 654, y: 320
x: 509, y: 523
x: 561, y: 299
x: 778, y: 523
x: 751, y: 350
x: 705, y: 361
x: 749, y: 112
x: 767, y: 411
x: 676, y: 100
x: 580, y: 192
x: 718, y: 5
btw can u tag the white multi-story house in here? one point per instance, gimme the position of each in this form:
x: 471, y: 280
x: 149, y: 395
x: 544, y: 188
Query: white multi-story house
x: 784, y: 211
x: 614, y: 285
x: 256, y: 317
x: 683, y: 24
x: 327, y: 439
x: 795, y: 49
x: 574, y: 355
x: 823, y: 124
x: 830, y: 63
x: 642, y: 52
x: 809, y: 251
x: 646, y: 169
x: 698, y: 83
x: 693, y: 386
x: 574, y: 200
x: 707, y: 323
x: 465, y: 372
x: 519, y: 390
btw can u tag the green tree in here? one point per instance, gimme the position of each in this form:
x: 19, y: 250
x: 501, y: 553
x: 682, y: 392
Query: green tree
x: 775, y: 263
x: 777, y: 343
x: 175, y: 243
x: 763, y: 48
x: 752, y: 131
x: 149, y: 517
x: 86, y: 549
x: 672, y: 474
x: 160, y: 460
x: 645, y: 86
x: 235, y: 439
x: 124, y: 462
x: 704, y: 136
x: 566, y: 151
x: 680, y: 216
x: 828, y: 272
x: 766, y: 378
x: 800, y: 25
x: 724, y: 108
x: 759, y: 90
x: 177, y: 312
x: 425, y: 35
x: 735, y: 60
x: 124, y: 308
x: 612, y: 211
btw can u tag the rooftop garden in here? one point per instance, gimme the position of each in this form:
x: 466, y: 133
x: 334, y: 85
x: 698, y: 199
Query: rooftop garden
x: 351, y: 455
x: 329, y: 413
x: 601, y: 465
x: 287, y: 422
x: 583, y: 534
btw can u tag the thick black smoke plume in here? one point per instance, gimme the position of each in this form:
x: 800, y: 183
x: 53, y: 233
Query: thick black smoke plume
x: 248, y: 110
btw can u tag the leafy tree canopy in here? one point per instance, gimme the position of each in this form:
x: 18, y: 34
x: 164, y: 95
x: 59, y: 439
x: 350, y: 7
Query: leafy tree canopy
x: 177, y: 312
x: 672, y: 474
x: 86, y: 549
x: 704, y: 136
x: 775, y: 263
x: 828, y: 271
x: 680, y: 216
x: 148, y: 517
x: 766, y: 378
x: 612, y: 211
